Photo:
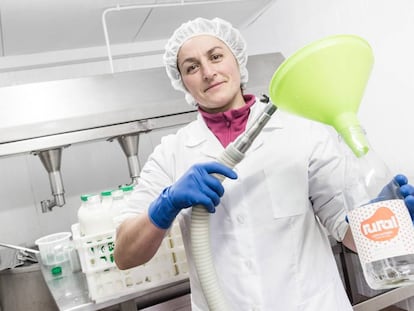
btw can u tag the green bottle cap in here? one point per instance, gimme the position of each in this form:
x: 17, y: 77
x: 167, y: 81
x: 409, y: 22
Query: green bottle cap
x: 126, y: 188
x: 56, y: 271
x: 106, y: 193
x: 84, y: 197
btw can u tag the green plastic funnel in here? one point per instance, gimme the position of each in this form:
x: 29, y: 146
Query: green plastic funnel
x: 325, y: 82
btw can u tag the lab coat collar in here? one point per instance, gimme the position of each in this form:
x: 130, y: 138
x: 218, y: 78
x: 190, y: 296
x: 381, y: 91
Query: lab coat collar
x: 201, y: 137
x: 210, y: 146
x: 274, y: 123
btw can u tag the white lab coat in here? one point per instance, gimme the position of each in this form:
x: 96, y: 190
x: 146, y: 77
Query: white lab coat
x: 269, y: 246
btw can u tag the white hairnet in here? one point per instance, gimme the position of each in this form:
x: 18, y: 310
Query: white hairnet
x: 216, y: 27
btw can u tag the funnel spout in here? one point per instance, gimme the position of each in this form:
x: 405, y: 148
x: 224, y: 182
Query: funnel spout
x: 129, y: 145
x: 325, y: 82
x: 51, y: 160
x: 134, y: 168
x: 347, y: 126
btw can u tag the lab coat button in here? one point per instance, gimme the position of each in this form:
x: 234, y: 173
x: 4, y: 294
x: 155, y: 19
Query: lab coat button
x: 241, y: 219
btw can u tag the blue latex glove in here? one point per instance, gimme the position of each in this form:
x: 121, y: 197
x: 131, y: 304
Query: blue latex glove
x: 196, y: 187
x: 398, y: 188
x: 407, y: 192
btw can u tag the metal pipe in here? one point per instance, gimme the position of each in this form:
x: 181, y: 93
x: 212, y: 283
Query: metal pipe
x: 147, y: 6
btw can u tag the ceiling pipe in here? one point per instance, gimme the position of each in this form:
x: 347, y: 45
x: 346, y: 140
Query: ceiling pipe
x: 51, y: 160
x: 147, y: 6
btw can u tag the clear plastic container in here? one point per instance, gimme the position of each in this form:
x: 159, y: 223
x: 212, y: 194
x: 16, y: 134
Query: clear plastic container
x: 56, y: 252
x: 380, y: 222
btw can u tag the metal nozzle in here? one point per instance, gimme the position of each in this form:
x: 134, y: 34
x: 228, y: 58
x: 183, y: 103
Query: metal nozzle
x: 244, y: 141
x: 129, y: 145
x: 51, y: 160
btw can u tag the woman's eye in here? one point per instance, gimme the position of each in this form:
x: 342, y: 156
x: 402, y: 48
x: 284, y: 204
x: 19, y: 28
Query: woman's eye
x: 192, y: 68
x: 216, y: 57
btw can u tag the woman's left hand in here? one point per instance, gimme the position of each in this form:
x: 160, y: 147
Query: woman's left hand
x: 407, y: 191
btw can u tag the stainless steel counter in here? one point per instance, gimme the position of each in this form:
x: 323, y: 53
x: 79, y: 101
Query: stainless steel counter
x: 78, y: 299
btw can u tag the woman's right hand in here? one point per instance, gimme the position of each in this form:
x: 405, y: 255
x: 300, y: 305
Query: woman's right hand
x: 196, y: 187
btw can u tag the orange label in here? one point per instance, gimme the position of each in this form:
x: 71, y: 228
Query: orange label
x: 382, y: 226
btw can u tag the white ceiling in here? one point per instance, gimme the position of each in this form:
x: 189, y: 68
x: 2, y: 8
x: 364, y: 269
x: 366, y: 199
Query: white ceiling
x: 38, y: 26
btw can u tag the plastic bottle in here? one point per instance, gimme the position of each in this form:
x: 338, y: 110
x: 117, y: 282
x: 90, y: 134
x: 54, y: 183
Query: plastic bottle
x: 82, y: 212
x: 127, y: 189
x: 380, y: 222
x: 106, y: 199
x: 94, y: 218
x: 118, y: 203
x: 123, y: 205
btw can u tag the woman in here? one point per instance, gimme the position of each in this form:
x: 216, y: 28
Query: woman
x: 268, y: 230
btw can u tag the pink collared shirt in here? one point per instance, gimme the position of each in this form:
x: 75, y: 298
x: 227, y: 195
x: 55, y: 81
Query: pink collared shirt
x: 228, y: 125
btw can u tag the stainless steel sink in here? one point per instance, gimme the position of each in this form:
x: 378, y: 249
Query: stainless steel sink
x: 24, y: 288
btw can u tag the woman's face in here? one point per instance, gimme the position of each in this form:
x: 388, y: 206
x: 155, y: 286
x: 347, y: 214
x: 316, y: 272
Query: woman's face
x: 210, y: 73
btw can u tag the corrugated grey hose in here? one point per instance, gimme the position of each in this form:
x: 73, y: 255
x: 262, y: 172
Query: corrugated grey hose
x: 200, y: 234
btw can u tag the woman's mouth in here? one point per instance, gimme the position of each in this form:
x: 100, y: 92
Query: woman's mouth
x: 213, y: 86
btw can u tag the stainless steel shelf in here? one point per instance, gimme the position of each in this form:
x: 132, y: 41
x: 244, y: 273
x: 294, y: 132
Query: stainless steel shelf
x: 352, y: 271
x: 48, y: 108
x: 386, y: 299
x: 99, y: 133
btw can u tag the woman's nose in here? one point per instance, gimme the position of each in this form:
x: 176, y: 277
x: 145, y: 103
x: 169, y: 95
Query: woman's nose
x: 208, y: 72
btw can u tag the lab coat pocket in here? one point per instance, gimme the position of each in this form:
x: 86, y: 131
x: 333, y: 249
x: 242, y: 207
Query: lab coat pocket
x: 288, y: 190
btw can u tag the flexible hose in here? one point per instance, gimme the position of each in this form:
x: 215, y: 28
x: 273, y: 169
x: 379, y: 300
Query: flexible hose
x: 200, y: 242
x: 200, y: 233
